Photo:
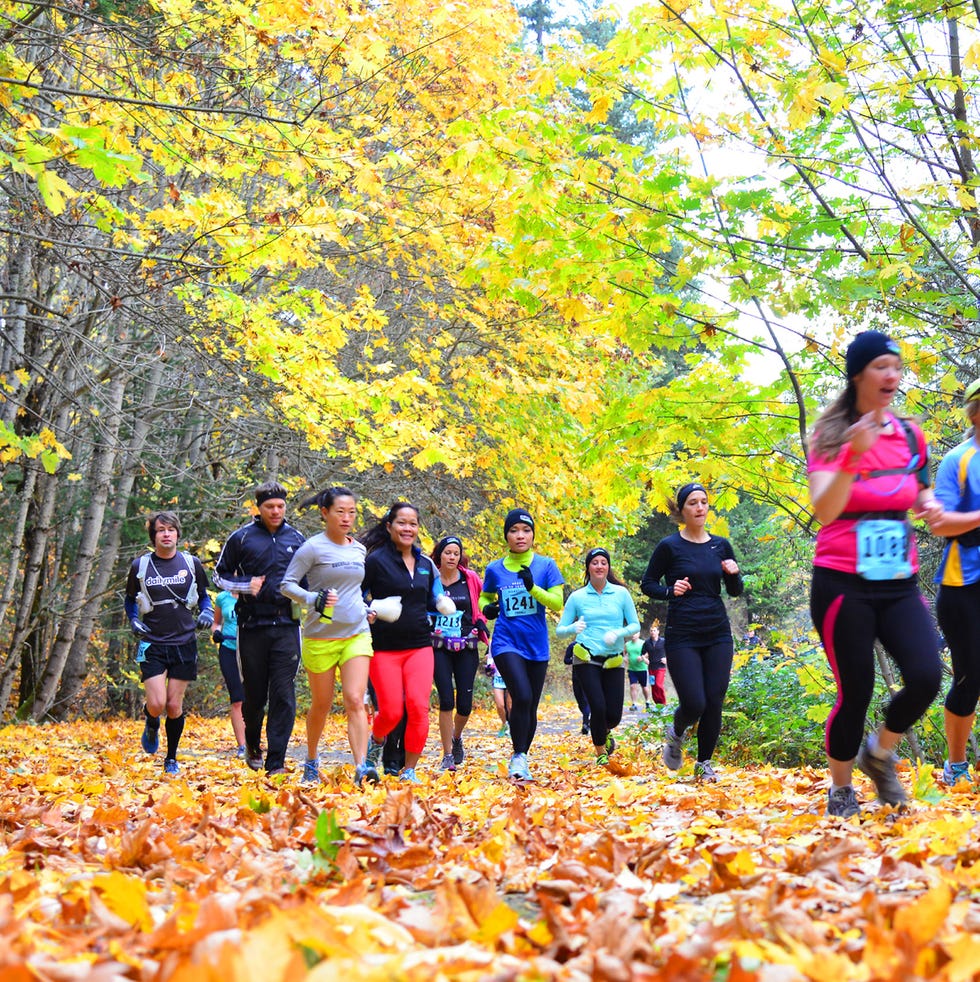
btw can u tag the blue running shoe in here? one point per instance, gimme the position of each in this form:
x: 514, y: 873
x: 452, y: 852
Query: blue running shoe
x: 311, y: 771
x: 954, y: 773
x: 365, y: 772
x: 408, y: 774
x: 150, y: 740
x: 170, y: 766
x: 518, y: 768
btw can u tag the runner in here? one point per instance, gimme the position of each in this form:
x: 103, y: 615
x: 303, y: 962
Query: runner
x: 602, y: 615
x: 867, y: 468
x: 225, y: 636
x: 162, y: 590
x: 516, y: 591
x: 958, y: 576
x: 654, y: 649
x: 687, y: 569
x: 636, y: 666
x: 454, y: 642
x: 402, y: 666
x: 335, y: 632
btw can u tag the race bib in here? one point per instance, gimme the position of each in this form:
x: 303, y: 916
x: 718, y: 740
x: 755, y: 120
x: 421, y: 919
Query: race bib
x: 141, y: 650
x: 451, y: 626
x: 515, y: 601
x: 883, y: 549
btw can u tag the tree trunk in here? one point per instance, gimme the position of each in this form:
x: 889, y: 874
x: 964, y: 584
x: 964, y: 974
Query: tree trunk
x: 103, y: 465
x: 75, y: 670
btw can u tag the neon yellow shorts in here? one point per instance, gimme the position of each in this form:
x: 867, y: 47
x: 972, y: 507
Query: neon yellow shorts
x: 322, y: 654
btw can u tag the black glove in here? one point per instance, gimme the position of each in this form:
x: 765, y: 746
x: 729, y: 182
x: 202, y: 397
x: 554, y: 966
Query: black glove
x: 526, y: 578
x: 139, y: 628
x: 204, y: 620
x: 216, y: 636
x: 481, y: 627
x: 491, y: 612
x: 321, y: 601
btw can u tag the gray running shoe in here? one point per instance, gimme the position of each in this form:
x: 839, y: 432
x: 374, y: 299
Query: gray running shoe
x: 459, y: 754
x: 673, y: 757
x: 703, y: 771
x: 843, y: 802
x: 882, y: 772
x: 448, y: 764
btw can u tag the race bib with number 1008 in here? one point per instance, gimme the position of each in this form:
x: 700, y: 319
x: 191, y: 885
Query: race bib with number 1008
x: 515, y: 601
x: 883, y: 549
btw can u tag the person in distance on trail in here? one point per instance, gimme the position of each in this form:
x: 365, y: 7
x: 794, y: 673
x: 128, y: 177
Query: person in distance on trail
x: 162, y: 590
x: 958, y: 576
x: 653, y: 647
x: 688, y: 569
x: 402, y: 666
x: 601, y: 614
x: 252, y: 563
x: 639, y: 673
x: 516, y: 591
x: 225, y: 636
x: 867, y: 469
x: 454, y: 642
x: 336, y: 635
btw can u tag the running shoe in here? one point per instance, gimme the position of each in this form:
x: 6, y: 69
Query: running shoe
x: 459, y: 754
x: 504, y: 731
x: 448, y: 764
x: 602, y: 760
x: 374, y: 749
x: 633, y: 708
x: 408, y: 774
x: 954, y: 773
x: 150, y: 739
x: 842, y: 802
x: 518, y: 768
x: 673, y: 757
x: 365, y: 772
x: 276, y: 771
x: 240, y: 752
x: 585, y: 725
x: 253, y: 757
x: 882, y: 772
x: 170, y: 766
x: 311, y: 771
x: 610, y: 744
x: 703, y: 771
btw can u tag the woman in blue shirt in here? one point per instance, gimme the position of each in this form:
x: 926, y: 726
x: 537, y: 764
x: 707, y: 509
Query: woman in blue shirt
x: 516, y: 591
x: 602, y: 615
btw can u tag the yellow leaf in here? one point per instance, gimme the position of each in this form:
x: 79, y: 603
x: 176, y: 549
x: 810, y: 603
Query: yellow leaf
x: 923, y: 919
x: 125, y: 896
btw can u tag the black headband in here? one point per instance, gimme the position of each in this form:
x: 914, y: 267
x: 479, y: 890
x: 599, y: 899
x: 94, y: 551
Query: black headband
x: 592, y: 553
x: 684, y: 492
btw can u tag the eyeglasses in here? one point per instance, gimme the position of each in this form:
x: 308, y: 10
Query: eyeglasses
x: 972, y: 391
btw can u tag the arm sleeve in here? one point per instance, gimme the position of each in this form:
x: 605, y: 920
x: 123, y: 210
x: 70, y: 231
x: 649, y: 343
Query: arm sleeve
x: 203, y: 600
x: 656, y: 569
x: 297, y: 569
x: 132, y: 610
x: 552, y: 598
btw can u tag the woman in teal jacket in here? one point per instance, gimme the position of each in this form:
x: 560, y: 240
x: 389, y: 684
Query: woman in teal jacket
x: 602, y: 615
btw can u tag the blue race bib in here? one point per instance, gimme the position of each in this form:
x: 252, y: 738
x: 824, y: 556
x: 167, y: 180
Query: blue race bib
x: 515, y: 601
x: 451, y: 626
x: 883, y: 549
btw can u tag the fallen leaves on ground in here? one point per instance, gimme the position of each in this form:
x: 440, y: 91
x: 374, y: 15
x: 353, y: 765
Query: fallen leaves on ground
x: 109, y: 870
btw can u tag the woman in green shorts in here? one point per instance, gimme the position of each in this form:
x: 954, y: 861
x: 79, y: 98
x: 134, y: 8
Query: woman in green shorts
x: 335, y: 632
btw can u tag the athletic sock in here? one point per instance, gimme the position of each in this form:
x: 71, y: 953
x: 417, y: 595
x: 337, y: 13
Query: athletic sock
x: 174, y: 728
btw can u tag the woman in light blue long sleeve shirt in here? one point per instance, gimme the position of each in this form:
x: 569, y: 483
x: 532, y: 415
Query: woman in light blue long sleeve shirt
x: 602, y: 615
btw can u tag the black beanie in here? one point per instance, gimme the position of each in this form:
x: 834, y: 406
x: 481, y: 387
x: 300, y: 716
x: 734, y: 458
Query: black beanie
x: 867, y: 346
x: 514, y: 516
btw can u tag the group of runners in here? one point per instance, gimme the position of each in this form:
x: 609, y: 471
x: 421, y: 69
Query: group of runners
x: 380, y: 612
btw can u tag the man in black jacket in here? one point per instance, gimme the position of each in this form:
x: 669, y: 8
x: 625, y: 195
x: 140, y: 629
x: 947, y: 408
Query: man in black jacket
x: 252, y: 563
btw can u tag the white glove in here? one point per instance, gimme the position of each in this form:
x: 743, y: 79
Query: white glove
x: 610, y: 638
x: 387, y: 608
x: 579, y: 626
x: 445, y: 605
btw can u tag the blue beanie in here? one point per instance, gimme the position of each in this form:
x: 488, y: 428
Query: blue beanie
x: 867, y: 346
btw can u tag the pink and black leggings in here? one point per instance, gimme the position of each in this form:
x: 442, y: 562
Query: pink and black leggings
x: 850, y: 613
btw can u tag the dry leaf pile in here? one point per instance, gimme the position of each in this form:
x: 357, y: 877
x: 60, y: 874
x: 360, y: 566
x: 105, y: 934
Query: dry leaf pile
x: 109, y: 870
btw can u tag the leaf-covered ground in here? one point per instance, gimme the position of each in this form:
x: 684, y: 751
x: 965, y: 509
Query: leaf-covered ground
x: 109, y: 870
